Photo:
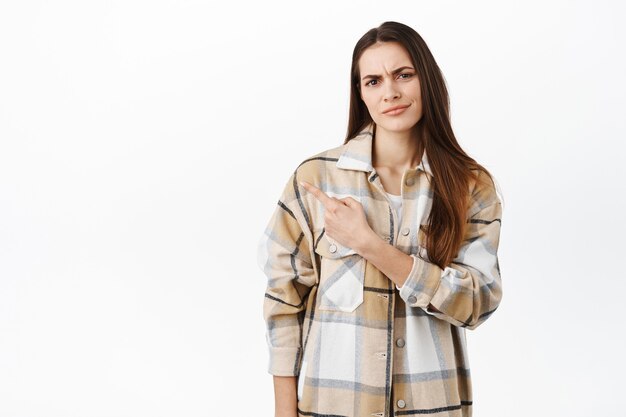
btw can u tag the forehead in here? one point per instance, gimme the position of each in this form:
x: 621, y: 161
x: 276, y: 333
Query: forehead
x: 383, y: 57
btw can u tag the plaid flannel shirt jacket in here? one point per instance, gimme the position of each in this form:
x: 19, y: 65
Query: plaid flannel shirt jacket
x: 358, y: 345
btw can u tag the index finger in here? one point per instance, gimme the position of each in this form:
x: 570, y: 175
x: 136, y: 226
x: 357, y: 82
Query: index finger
x: 319, y: 194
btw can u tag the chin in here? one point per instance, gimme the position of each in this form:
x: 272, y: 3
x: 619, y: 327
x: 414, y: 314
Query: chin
x: 400, y: 125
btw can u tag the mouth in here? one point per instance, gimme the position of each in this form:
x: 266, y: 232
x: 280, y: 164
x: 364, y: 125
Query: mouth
x: 395, y: 110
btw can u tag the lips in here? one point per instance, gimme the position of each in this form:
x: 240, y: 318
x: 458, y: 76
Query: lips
x: 393, y: 109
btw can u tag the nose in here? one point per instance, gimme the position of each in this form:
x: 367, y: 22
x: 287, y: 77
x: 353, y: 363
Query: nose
x: 390, y: 93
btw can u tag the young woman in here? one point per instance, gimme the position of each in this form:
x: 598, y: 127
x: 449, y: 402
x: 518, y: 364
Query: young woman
x: 382, y: 251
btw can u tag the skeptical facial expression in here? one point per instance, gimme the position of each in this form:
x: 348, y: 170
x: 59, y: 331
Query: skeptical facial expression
x: 390, y: 87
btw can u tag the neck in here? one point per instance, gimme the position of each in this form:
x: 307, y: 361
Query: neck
x: 396, y: 150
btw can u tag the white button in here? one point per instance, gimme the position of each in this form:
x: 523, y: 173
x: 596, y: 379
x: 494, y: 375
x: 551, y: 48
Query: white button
x: 410, y: 181
x: 412, y: 299
x: 401, y: 404
x: 400, y: 342
x: 405, y: 231
x: 332, y: 248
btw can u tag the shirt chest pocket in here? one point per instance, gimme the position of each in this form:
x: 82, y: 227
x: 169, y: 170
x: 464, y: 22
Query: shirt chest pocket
x: 342, y: 276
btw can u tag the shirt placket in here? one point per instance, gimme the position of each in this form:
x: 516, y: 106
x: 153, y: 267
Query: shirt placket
x: 399, y: 233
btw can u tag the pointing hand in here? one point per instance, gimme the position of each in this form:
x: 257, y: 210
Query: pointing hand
x: 344, y: 219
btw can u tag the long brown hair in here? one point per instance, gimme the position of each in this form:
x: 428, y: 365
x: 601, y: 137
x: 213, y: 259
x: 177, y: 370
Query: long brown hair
x: 452, y: 168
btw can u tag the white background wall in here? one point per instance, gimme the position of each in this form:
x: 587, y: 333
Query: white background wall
x: 143, y: 147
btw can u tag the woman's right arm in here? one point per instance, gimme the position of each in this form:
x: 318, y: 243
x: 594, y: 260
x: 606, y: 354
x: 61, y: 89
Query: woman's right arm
x: 285, y: 396
x: 286, y: 256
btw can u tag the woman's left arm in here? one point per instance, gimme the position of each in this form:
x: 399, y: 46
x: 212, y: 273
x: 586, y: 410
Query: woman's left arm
x: 470, y: 287
x: 468, y: 290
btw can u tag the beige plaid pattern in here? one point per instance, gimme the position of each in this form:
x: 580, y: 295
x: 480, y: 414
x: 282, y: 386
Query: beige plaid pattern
x: 359, y: 346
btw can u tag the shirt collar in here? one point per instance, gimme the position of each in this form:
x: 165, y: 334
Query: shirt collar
x: 357, y: 153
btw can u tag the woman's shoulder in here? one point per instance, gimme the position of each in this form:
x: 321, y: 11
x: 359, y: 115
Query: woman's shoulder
x: 317, y: 166
x: 340, y: 161
x: 314, y: 169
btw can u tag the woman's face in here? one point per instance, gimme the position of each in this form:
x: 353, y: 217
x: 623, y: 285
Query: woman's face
x: 388, y: 80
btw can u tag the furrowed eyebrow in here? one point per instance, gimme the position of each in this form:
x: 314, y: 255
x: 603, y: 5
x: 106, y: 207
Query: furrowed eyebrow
x: 397, y: 70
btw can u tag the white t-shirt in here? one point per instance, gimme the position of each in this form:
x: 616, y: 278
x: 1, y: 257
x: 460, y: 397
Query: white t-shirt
x: 396, y: 202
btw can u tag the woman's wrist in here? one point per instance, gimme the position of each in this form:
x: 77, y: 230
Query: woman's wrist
x: 368, y: 243
x: 285, y: 396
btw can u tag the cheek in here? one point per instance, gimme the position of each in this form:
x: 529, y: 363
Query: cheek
x: 417, y: 96
x: 369, y: 101
x: 417, y: 111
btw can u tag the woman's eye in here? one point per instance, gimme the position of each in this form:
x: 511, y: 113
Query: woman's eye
x: 407, y: 75
x: 369, y: 82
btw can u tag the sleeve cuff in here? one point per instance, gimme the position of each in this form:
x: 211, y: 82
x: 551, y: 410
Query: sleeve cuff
x: 284, y: 361
x: 421, y: 284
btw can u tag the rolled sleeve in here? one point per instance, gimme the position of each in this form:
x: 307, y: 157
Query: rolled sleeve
x: 421, y: 284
